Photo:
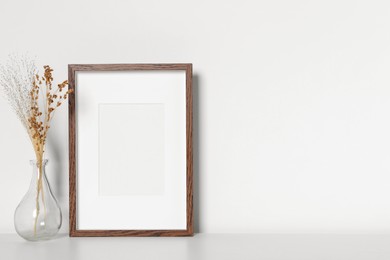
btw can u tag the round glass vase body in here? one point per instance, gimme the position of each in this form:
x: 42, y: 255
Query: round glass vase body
x: 38, y: 216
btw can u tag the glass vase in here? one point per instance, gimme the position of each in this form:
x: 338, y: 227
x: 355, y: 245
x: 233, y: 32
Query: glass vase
x: 38, y: 216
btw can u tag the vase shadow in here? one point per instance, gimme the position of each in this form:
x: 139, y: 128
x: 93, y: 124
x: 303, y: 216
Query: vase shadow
x: 196, y: 148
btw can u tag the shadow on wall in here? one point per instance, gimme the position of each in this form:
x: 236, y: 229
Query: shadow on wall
x: 57, y: 174
x: 57, y: 166
x: 196, y: 143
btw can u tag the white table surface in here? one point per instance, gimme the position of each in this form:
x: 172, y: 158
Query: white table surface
x: 202, y: 246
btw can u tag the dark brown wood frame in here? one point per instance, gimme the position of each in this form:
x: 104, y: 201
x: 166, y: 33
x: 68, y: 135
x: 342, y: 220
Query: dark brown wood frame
x: 72, y: 69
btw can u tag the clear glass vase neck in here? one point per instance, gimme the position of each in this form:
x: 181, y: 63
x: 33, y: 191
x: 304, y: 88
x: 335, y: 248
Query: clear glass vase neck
x: 39, y: 172
x: 35, y: 163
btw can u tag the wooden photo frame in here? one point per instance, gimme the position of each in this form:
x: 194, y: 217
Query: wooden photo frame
x: 130, y: 150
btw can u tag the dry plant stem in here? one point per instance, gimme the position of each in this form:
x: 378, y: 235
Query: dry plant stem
x: 37, y: 201
x: 40, y: 124
x: 39, y: 191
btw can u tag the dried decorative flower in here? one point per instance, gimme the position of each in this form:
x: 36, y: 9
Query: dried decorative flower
x: 34, y: 101
x: 22, y: 85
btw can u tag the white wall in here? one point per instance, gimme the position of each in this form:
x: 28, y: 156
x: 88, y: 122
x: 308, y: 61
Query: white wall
x: 292, y: 106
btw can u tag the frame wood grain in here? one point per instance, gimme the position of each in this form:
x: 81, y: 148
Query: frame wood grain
x: 74, y: 232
